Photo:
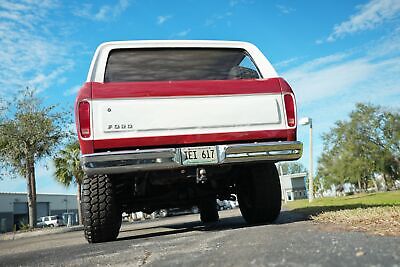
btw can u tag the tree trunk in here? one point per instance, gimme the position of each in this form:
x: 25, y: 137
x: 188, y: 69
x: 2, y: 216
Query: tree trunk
x: 375, y: 185
x: 385, y: 182
x: 359, y: 185
x: 29, y: 199
x: 78, y: 198
x: 31, y: 188
x: 365, y: 184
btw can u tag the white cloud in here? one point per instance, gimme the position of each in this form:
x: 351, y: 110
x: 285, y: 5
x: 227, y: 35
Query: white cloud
x: 224, y: 17
x: 31, y: 54
x: 102, y: 13
x: 321, y: 62
x: 327, y: 88
x: 386, y: 45
x: 233, y: 3
x: 183, y: 33
x: 285, y: 9
x: 220, y: 17
x: 72, y: 91
x: 368, y: 16
x: 363, y: 70
x: 286, y: 62
x: 316, y: 84
x: 162, y: 19
x: 45, y: 80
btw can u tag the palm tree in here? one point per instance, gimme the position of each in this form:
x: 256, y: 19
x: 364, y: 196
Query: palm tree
x: 69, y: 170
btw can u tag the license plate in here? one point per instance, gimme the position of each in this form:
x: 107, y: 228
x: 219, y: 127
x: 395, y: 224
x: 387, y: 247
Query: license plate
x: 199, y: 155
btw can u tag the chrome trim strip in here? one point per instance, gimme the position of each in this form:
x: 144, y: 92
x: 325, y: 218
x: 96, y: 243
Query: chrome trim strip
x: 170, y: 158
x: 263, y: 151
x: 132, y: 160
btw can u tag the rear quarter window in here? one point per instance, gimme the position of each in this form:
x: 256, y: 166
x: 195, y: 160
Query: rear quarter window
x: 175, y: 64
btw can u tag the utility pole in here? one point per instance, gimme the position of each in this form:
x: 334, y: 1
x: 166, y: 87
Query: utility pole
x: 311, y: 178
x: 308, y: 121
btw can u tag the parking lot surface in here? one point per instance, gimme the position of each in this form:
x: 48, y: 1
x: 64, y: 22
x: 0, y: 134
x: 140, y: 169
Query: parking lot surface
x: 184, y: 241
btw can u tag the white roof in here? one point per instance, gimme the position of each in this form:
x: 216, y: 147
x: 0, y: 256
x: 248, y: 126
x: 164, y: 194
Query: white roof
x: 24, y: 193
x: 96, y: 71
x: 176, y: 43
x: 295, y: 175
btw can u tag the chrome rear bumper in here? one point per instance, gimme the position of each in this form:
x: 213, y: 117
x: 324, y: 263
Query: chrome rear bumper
x: 171, y: 158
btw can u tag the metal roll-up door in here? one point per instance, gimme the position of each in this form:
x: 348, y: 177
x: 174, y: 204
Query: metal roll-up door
x: 42, y: 209
x: 20, y: 208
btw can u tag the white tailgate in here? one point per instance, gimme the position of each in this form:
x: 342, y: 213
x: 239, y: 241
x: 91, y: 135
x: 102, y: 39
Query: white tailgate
x: 145, y: 117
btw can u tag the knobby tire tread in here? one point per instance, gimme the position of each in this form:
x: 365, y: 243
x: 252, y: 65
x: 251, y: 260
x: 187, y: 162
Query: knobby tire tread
x: 102, y: 219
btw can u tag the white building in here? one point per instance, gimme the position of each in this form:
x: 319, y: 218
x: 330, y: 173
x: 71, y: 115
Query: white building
x: 14, y: 208
x: 293, y: 186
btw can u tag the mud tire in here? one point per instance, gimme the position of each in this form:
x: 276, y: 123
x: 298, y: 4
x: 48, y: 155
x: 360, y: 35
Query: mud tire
x: 101, y: 214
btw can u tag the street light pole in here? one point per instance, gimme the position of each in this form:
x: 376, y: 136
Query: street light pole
x: 311, y: 178
x: 308, y: 121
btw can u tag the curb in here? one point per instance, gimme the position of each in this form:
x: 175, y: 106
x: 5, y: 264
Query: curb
x: 40, y: 232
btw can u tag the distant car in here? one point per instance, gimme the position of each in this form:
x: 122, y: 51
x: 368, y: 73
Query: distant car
x: 50, y: 221
x: 177, y: 211
x: 125, y: 217
x: 223, y: 205
x: 40, y: 223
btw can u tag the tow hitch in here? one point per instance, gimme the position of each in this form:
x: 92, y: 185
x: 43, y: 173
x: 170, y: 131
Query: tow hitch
x: 201, y: 177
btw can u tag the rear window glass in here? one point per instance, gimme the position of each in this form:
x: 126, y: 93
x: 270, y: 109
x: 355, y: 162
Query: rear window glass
x: 174, y: 64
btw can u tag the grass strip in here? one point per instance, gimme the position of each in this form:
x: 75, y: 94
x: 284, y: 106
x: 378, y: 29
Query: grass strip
x: 376, y: 220
x: 377, y: 213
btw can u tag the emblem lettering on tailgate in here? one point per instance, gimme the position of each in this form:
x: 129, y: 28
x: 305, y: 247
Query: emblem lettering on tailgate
x: 120, y: 127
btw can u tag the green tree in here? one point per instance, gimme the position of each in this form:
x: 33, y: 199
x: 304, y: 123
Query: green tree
x: 357, y: 150
x: 29, y: 132
x: 389, y: 160
x: 69, y: 170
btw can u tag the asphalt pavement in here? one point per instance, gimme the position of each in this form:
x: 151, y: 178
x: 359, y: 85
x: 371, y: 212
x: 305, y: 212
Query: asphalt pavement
x: 184, y: 241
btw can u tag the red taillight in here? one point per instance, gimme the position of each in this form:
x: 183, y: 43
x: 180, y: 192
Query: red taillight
x: 290, y: 110
x: 84, y: 119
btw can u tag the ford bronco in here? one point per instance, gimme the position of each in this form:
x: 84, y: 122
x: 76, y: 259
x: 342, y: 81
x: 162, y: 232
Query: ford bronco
x: 165, y: 124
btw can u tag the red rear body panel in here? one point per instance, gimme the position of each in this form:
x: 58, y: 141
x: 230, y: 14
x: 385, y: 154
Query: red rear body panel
x: 182, y: 88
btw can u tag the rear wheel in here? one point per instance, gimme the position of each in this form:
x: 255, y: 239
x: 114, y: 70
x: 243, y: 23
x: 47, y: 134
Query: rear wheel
x: 208, y: 211
x: 259, y: 193
x: 102, y: 217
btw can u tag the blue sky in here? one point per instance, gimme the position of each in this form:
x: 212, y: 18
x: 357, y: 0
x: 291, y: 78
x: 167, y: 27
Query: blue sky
x: 333, y: 53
